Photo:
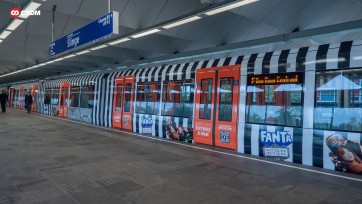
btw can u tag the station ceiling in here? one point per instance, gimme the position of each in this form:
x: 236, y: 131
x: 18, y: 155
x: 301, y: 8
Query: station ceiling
x: 28, y: 44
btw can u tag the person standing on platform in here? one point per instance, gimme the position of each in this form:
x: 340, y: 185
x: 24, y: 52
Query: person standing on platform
x: 3, y: 99
x: 28, y: 101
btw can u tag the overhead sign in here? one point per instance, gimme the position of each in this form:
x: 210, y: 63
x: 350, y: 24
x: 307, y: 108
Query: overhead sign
x: 95, y: 31
x: 287, y: 78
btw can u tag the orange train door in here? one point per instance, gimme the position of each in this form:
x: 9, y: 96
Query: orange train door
x: 216, y: 106
x: 64, y: 99
x: 123, y: 102
x: 35, y: 98
x: 21, y: 99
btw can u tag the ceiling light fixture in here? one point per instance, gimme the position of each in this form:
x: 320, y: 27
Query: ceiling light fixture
x: 149, y: 32
x: 119, y: 41
x: 82, y: 52
x: 69, y: 56
x: 98, y: 47
x: 31, y: 7
x: 56, y: 60
x: 4, y: 34
x: 229, y: 6
x: 177, y: 23
x: 14, y: 24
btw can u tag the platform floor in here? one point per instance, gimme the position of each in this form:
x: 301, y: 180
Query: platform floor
x: 47, y: 160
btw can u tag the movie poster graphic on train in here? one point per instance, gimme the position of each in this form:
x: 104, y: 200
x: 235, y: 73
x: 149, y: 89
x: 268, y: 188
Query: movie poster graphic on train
x: 271, y: 141
x: 340, y: 151
x: 176, y: 131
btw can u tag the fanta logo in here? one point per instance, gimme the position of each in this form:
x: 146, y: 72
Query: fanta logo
x: 282, y: 138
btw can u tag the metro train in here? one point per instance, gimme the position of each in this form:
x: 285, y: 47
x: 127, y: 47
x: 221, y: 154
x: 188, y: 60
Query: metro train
x: 301, y: 105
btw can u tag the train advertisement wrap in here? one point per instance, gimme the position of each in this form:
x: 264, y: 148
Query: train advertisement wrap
x: 282, y: 143
x: 336, y: 150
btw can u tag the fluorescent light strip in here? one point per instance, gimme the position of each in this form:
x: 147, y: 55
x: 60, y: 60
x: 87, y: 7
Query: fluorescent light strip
x: 31, y: 7
x: 145, y: 33
x: 69, y: 56
x: 14, y: 24
x: 119, y: 41
x: 1, y: 41
x: 229, y: 6
x: 98, y: 47
x: 187, y: 20
x: 4, y: 34
x: 56, y: 60
x: 82, y: 52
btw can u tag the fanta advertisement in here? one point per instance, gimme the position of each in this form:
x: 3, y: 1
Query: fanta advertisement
x: 281, y: 138
x: 16, y: 12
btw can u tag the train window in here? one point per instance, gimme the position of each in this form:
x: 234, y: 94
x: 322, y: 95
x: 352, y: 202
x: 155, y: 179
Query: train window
x: 338, y: 102
x: 226, y: 99
x: 275, y: 99
x: 47, y: 97
x: 87, y: 96
x: 127, y: 98
x: 55, y: 96
x: 147, y: 98
x: 205, y: 99
x: 178, y: 98
x: 74, y: 96
x: 118, y: 92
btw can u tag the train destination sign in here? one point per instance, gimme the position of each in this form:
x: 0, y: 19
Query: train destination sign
x: 93, y: 32
x: 287, y: 78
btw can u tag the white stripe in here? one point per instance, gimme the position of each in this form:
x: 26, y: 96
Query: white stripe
x: 172, y: 72
x: 327, y: 163
x: 332, y: 56
x: 154, y: 125
x: 134, y: 122
x: 274, y: 62
x: 140, y: 130
x: 160, y: 129
x: 233, y: 60
x: 308, y: 109
x: 188, y: 70
x: 244, y: 65
x: 240, y: 138
x: 291, y: 60
x: 307, y: 147
x: 185, y: 122
x: 150, y: 74
x: 157, y: 73
x: 181, y: 70
x: 310, y: 61
x: 259, y: 63
x: 221, y: 62
x: 254, y: 139
x: 200, y: 65
x: 177, y: 120
x: 209, y: 64
x: 164, y: 73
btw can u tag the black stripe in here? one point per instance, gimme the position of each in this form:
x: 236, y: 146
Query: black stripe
x: 214, y: 64
x: 157, y: 119
x: 137, y: 123
x: 344, y: 53
x: 318, y: 139
x: 193, y: 70
x: 204, y: 65
x: 321, y: 62
x: 239, y: 60
x: 282, y: 62
x: 184, y: 70
x: 266, y: 63
x: 227, y: 61
x: 251, y: 63
x: 167, y: 78
x: 297, y: 145
x: 175, y: 71
x: 301, y: 58
x: 247, y: 139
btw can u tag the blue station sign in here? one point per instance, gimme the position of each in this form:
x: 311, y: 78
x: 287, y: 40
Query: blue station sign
x: 91, y: 33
